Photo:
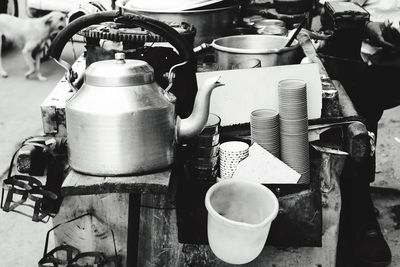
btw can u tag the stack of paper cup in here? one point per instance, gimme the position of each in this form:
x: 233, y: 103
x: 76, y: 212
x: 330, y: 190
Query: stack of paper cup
x: 231, y: 153
x: 294, y: 126
x: 264, y: 128
x: 204, y: 151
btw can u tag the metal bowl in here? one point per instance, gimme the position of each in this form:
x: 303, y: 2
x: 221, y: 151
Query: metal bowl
x: 269, y: 49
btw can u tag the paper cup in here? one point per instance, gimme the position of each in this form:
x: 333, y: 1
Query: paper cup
x: 231, y: 153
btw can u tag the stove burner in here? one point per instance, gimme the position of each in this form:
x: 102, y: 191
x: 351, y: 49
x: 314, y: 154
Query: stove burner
x: 27, y: 187
x: 73, y: 257
x: 27, y: 191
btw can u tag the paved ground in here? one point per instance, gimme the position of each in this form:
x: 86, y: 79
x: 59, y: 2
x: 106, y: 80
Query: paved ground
x: 388, y: 148
x: 387, y: 193
x: 20, y: 118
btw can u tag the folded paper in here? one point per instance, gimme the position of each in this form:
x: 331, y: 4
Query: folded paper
x: 263, y: 167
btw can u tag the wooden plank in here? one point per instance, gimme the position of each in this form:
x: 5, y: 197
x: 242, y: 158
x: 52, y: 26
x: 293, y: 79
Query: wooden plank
x: 158, y: 233
x: 330, y: 98
x: 309, y: 51
x: 81, y: 184
x: 336, y: 102
x: 92, y: 233
x: 346, y: 106
x: 357, y: 138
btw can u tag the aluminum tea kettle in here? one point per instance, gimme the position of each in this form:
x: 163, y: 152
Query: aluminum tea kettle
x: 121, y: 121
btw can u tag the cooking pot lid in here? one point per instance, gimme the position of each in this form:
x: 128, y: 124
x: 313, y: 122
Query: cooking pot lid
x: 119, y: 72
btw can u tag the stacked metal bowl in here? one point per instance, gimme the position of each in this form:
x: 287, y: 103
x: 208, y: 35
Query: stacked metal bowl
x: 204, y: 151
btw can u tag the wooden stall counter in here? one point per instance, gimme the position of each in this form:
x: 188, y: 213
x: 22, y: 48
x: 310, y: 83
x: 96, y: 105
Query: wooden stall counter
x: 143, y: 219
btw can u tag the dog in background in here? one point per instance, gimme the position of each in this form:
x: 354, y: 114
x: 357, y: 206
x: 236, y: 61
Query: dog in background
x: 30, y: 35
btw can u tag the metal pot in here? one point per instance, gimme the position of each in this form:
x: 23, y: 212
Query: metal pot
x: 269, y: 49
x: 209, y: 23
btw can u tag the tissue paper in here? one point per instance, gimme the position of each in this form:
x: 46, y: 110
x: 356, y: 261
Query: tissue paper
x: 263, y: 167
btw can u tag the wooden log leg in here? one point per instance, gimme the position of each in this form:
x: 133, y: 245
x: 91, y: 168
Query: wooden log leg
x: 158, y: 232
x: 133, y: 229
x: 92, y: 233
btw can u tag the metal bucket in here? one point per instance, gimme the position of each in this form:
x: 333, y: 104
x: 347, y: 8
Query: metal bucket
x: 268, y: 49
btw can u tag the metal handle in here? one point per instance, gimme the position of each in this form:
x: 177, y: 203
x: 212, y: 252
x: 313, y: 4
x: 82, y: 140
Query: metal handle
x: 201, y: 48
x: 75, y: 26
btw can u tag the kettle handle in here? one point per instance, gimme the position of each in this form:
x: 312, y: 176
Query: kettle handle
x: 158, y: 27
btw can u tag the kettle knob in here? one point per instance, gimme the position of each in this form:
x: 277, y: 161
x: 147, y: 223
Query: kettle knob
x: 120, y: 57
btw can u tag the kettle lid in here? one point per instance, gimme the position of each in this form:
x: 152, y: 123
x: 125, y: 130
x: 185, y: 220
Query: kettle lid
x: 119, y: 72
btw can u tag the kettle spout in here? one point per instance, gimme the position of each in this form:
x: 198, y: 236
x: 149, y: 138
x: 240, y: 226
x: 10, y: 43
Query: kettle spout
x: 195, y: 123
